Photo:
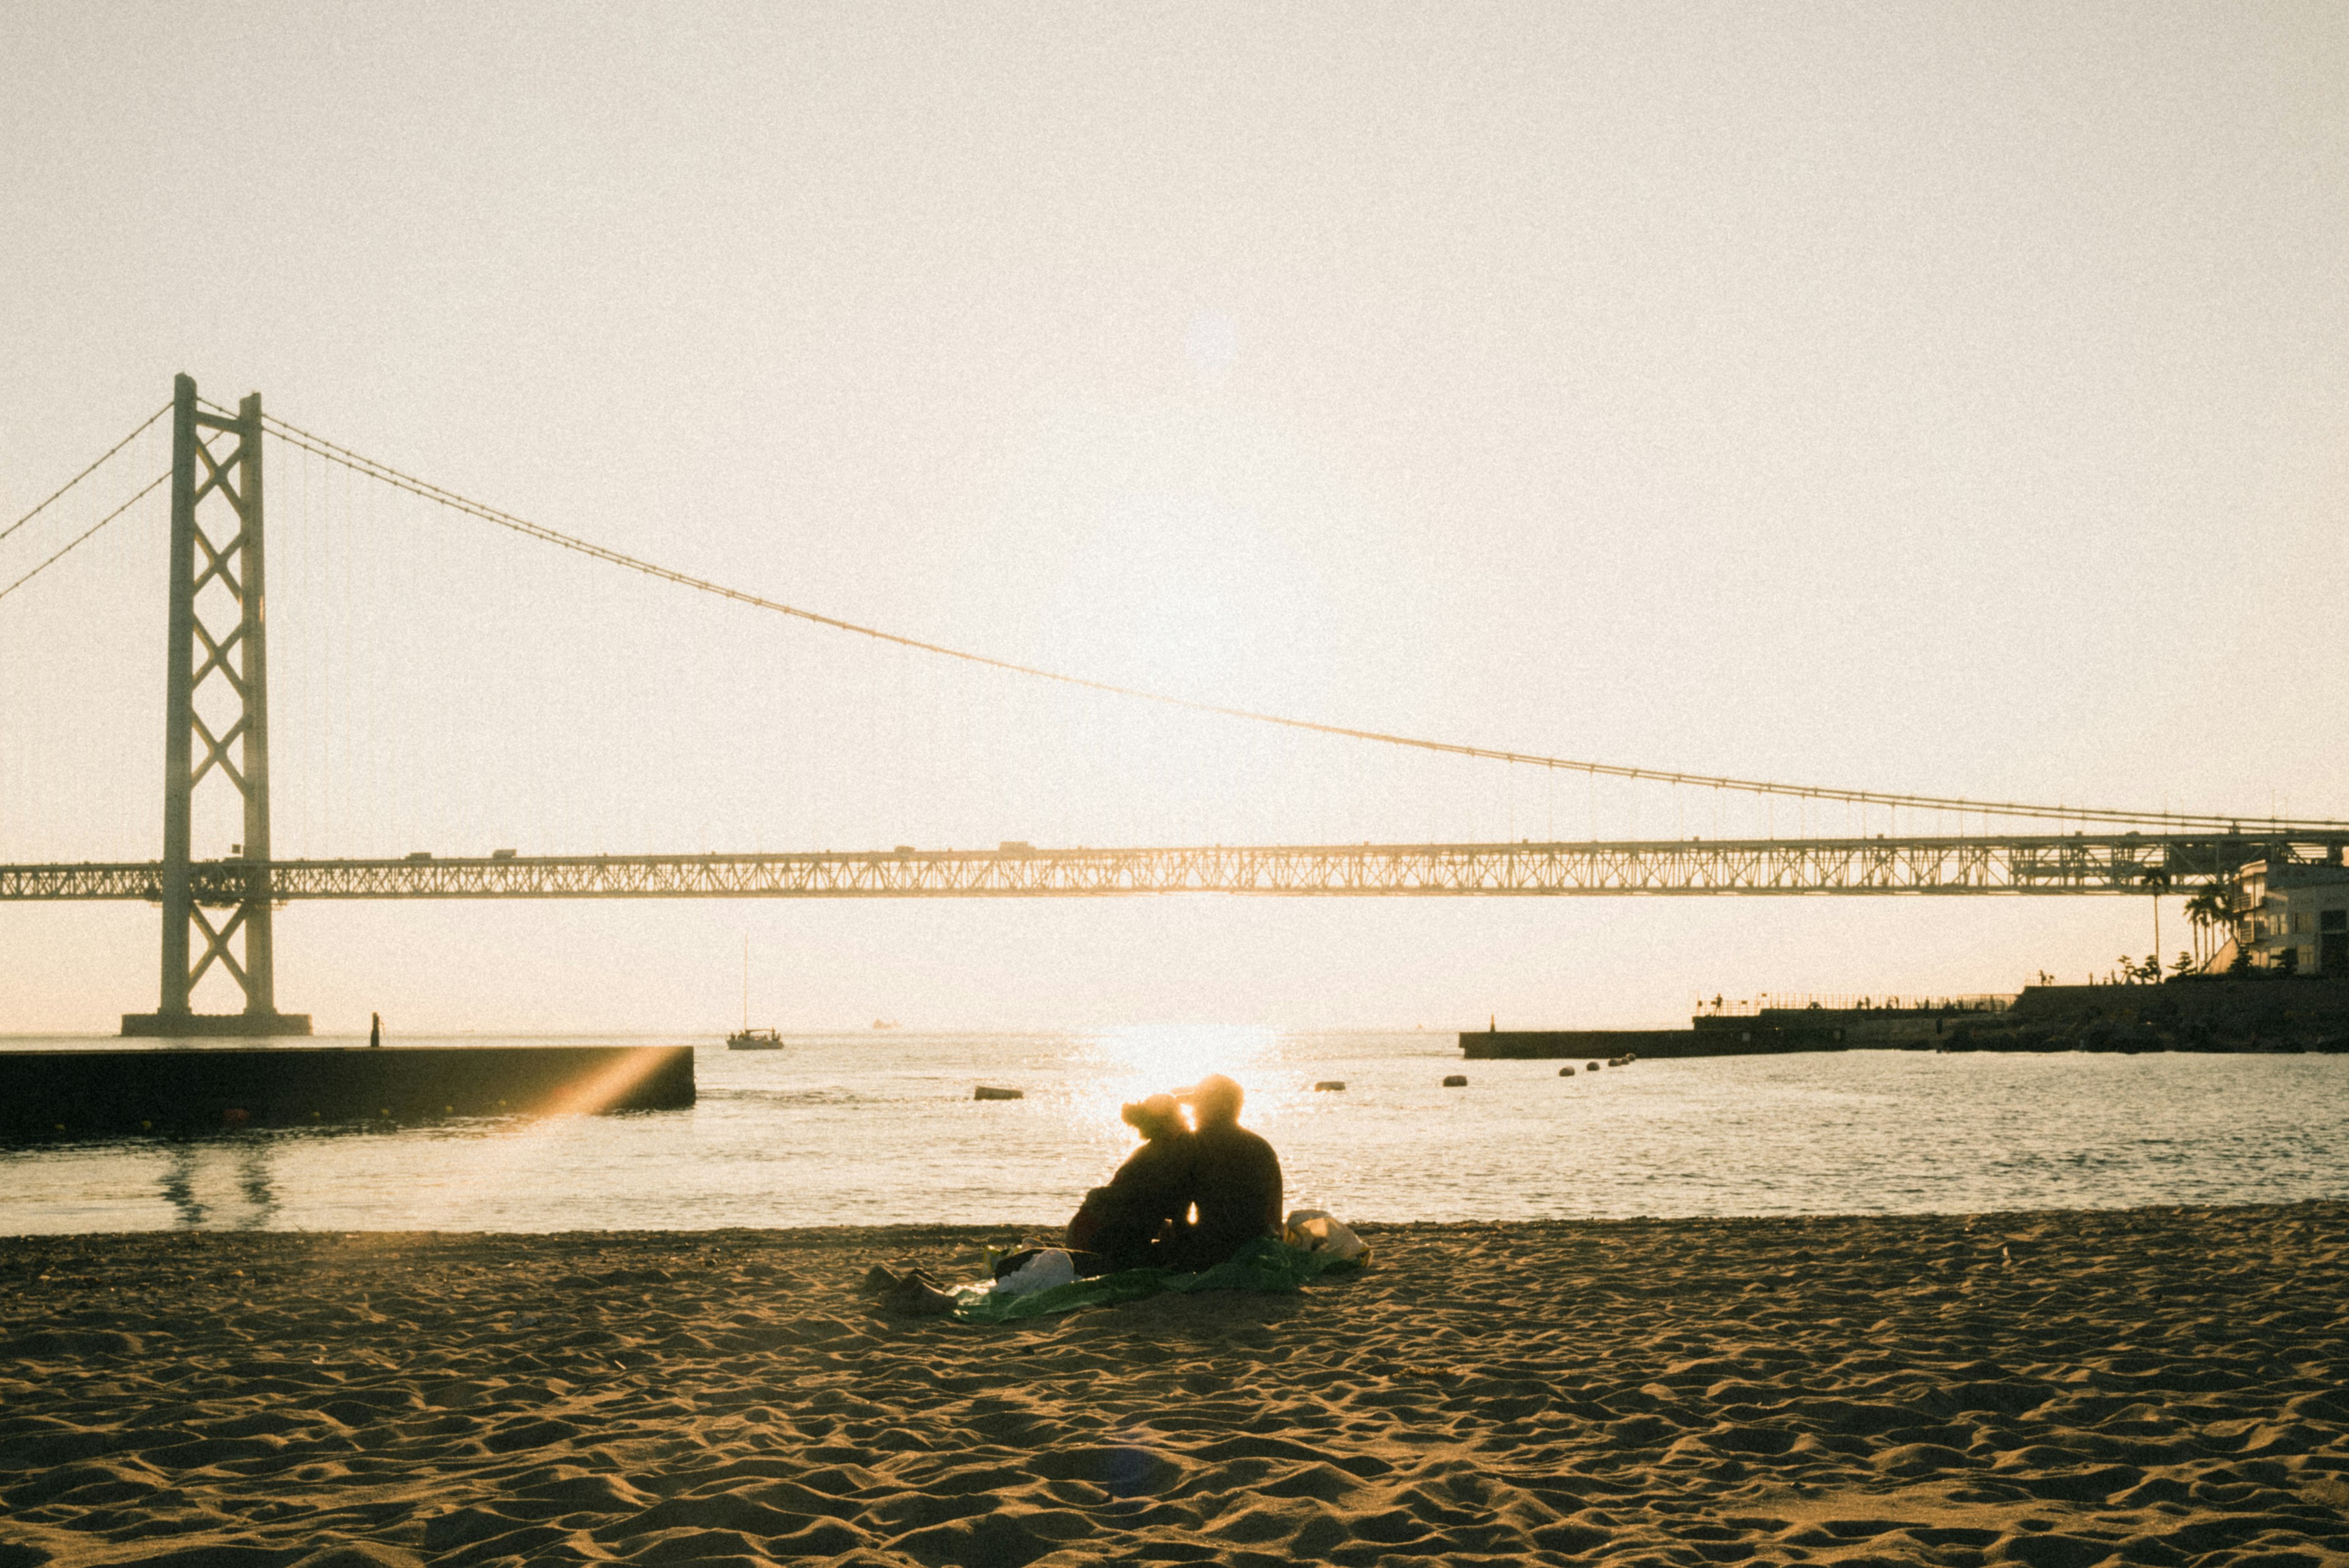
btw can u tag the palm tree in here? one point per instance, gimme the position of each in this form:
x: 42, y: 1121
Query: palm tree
x: 2213, y: 907
x: 2156, y: 880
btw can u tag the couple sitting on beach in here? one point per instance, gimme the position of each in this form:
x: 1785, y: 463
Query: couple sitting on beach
x: 1193, y: 1195
x: 1190, y: 1196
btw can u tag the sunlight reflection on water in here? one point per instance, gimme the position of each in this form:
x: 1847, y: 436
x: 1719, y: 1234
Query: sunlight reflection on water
x: 1121, y: 1064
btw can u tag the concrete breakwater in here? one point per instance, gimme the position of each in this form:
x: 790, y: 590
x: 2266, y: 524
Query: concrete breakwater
x: 93, y: 1094
x: 1580, y: 1044
x: 2222, y: 1014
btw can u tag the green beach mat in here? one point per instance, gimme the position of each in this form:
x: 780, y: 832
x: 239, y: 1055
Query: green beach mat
x: 1263, y: 1266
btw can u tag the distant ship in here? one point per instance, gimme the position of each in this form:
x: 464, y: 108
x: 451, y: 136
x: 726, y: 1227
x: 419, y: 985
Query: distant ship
x: 747, y: 1038
x: 884, y: 1024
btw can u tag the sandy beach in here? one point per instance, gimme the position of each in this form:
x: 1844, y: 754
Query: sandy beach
x: 2157, y: 1386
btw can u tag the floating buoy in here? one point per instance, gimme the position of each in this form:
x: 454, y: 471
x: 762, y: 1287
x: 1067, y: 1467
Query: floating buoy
x: 1566, y: 1072
x: 1456, y: 1081
x: 990, y: 1091
x: 1329, y: 1086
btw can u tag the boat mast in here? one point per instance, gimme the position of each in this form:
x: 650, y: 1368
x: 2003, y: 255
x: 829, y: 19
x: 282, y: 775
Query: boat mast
x: 746, y: 982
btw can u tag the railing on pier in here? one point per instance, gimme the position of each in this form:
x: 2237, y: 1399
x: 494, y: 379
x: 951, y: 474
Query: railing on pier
x: 1849, y: 1002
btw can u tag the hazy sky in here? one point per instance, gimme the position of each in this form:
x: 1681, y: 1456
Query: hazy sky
x: 1930, y: 398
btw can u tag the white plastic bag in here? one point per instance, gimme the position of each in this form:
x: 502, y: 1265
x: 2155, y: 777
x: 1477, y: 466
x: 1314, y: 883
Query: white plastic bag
x: 1048, y: 1268
x: 1318, y: 1230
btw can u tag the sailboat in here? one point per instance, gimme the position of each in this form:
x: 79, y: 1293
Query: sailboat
x: 747, y: 1038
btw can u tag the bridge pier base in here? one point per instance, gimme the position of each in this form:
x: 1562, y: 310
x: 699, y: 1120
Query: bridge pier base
x: 213, y: 1025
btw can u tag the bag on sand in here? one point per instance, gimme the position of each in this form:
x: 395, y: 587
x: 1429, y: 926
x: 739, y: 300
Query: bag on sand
x: 1046, y: 1269
x: 1318, y: 1230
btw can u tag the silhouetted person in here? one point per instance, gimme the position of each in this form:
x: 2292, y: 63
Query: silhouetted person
x: 1132, y: 1222
x: 375, y: 1029
x: 1236, y: 1178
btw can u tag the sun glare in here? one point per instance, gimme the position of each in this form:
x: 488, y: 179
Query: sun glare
x: 1155, y: 1056
x: 1160, y: 1058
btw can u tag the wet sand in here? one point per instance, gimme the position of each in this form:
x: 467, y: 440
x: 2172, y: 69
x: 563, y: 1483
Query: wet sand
x: 2159, y: 1386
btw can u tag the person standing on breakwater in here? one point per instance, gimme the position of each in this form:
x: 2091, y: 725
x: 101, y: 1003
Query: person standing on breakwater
x: 1235, y: 1177
x: 375, y: 1029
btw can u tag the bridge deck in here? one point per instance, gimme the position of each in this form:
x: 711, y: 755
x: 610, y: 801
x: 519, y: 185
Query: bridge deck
x: 2072, y: 864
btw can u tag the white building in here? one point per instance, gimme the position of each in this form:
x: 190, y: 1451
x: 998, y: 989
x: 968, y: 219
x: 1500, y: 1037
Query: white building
x: 2294, y: 917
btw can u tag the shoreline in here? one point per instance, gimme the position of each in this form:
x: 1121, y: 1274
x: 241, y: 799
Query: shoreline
x: 973, y: 1235
x: 2159, y: 1386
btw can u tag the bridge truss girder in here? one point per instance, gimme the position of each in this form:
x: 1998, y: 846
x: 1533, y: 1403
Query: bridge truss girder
x: 2035, y: 866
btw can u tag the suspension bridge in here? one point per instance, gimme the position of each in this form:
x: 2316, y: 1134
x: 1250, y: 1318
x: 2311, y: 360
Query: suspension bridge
x: 217, y: 901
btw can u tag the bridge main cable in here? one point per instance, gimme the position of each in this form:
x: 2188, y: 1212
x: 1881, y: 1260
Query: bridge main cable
x: 332, y: 452
x: 85, y: 473
x: 83, y: 537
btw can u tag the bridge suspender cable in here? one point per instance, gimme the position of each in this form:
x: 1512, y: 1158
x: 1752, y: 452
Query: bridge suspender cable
x: 320, y: 446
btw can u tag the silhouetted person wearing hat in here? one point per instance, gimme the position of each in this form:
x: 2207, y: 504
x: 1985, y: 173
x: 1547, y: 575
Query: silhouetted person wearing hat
x: 1235, y: 1177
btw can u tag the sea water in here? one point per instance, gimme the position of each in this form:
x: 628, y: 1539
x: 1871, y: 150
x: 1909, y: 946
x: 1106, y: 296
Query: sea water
x: 881, y: 1129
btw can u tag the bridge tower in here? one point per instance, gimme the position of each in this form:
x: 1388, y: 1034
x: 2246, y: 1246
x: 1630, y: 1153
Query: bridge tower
x: 217, y: 610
